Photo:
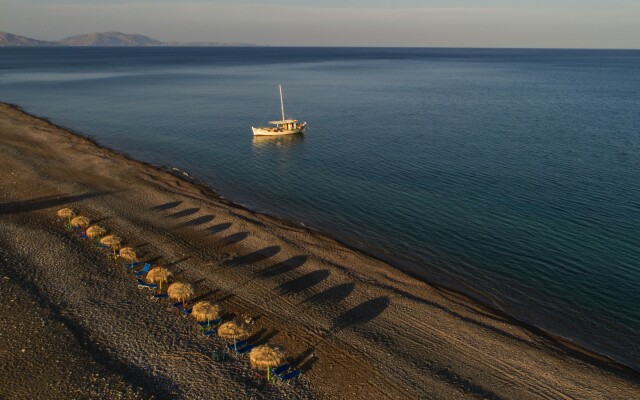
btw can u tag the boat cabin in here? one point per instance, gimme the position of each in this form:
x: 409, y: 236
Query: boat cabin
x: 285, y: 125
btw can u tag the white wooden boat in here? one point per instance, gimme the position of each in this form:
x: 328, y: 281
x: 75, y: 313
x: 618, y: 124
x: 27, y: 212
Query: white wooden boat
x: 282, y: 127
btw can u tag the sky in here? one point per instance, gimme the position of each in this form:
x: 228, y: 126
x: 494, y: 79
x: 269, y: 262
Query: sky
x: 394, y: 23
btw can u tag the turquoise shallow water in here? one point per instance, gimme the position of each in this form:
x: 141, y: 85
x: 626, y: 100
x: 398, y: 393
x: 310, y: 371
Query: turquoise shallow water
x: 509, y: 174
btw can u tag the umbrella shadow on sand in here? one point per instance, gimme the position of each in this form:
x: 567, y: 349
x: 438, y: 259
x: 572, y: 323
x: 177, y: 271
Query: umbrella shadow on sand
x: 255, y: 257
x: 302, y: 283
x: 305, y: 360
x: 283, y: 267
x: 207, y: 295
x: 361, y: 314
x: 212, y: 230
x: 262, y: 336
x: 184, y: 213
x: 166, y: 206
x: 333, y: 295
x: 176, y: 262
x: 46, y: 202
x: 196, y: 221
x: 233, y: 239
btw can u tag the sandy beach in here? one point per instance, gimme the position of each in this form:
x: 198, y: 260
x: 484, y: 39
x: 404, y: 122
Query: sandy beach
x: 75, y: 325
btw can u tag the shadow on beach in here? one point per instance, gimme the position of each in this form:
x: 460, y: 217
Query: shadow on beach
x: 46, y: 202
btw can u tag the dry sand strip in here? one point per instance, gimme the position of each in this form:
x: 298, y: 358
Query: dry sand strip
x: 355, y: 326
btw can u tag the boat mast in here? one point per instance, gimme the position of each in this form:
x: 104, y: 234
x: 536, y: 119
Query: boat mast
x: 281, y: 103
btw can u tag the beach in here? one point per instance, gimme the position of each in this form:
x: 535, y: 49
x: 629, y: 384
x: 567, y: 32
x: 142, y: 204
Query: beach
x: 75, y: 321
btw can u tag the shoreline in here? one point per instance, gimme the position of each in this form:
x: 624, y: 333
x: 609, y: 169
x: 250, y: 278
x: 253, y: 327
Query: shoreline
x: 197, y: 190
x: 408, y: 268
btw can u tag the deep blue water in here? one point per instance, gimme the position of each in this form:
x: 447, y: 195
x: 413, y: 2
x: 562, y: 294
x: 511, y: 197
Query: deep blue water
x: 513, y: 175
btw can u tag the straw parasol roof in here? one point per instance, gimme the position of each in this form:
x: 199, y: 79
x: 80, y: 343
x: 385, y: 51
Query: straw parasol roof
x: 234, y: 330
x: 80, y: 221
x: 66, y: 212
x: 180, y: 291
x: 111, y: 240
x: 95, y: 231
x: 128, y: 253
x: 206, y: 311
x: 159, y: 274
x: 266, y: 356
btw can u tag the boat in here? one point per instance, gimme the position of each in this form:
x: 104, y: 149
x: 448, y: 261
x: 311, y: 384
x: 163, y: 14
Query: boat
x: 282, y: 127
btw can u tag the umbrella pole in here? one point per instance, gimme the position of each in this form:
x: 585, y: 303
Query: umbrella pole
x: 235, y: 347
x: 183, y: 305
x: 268, y: 376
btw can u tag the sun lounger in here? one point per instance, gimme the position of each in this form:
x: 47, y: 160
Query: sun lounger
x: 238, y: 345
x: 187, y: 311
x: 159, y: 296
x: 280, y: 370
x: 245, y: 349
x: 211, y: 332
x: 241, y: 347
x: 287, y: 377
x: 210, y: 323
x: 144, y: 285
x: 143, y: 271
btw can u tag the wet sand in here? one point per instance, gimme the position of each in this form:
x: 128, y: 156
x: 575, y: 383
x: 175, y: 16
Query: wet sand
x: 75, y: 325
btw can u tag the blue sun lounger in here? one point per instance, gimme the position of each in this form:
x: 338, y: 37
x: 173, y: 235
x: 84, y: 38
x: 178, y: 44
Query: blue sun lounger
x: 245, y: 349
x: 291, y: 375
x: 241, y: 347
x: 238, y: 344
x: 159, y: 296
x: 280, y: 370
x: 211, y: 331
x: 210, y: 323
x: 144, y: 285
x: 143, y: 271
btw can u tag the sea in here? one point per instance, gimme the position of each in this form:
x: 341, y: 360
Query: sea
x: 512, y: 175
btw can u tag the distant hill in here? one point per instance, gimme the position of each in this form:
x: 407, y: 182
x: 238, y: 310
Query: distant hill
x: 108, y: 39
x: 103, y: 39
x: 9, y: 39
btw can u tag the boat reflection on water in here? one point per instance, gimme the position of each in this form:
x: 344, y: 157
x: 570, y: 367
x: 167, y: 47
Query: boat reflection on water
x: 287, y: 141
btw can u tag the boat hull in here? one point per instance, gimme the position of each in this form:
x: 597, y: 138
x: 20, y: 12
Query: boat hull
x: 273, y: 132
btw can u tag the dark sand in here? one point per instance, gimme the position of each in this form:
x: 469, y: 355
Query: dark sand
x: 73, y: 324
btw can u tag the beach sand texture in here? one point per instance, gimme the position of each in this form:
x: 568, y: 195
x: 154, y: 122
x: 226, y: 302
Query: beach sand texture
x: 74, y: 324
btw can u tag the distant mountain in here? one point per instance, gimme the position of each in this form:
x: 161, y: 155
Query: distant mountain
x: 209, y: 44
x: 9, y: 39
x: 108, y: 39
x: 103, y: 39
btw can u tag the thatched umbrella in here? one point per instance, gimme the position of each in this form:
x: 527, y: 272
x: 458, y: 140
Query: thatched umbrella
x: 266, y: 356
x: 67, y: 213
x: 113, y: 241
x: 80, y: 221
x: 128, y: 253
x: 159, y: 275
x: 206, y: 311
x: 96, y: 231
x: 234, y: 330
x: 180, y: 291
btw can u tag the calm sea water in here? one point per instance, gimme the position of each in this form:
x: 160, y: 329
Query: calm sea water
x: 513, y: 175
